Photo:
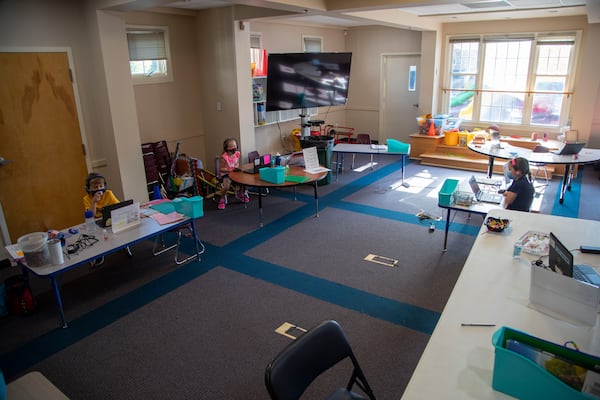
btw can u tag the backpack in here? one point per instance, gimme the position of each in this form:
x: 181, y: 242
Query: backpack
x: 19, y: 297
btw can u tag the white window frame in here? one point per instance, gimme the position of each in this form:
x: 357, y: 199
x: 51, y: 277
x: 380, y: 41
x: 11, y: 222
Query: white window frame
x: 163, y: 76
x: 311, y: 40
x: 530, y: 89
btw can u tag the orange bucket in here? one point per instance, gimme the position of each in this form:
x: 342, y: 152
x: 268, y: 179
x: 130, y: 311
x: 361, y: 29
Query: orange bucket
x: 451, y: 138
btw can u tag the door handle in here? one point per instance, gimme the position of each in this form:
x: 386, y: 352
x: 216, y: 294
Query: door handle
x: 416, y: 105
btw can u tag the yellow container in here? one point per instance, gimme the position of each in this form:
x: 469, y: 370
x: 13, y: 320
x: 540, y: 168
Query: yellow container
x: 451, y: 138
x: 463, y: 138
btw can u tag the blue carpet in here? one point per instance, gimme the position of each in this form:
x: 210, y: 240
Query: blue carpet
x: 402, y: 314
x: 570, y: 206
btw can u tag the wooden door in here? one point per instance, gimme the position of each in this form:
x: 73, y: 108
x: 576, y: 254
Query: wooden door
x: 39, y: 131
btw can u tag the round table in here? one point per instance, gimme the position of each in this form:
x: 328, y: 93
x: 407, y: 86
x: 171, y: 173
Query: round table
x: 253, y: 180
x: 506, y: 151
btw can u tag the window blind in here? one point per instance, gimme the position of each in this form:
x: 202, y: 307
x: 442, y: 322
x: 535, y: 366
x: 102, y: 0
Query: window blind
x: 146, y: 45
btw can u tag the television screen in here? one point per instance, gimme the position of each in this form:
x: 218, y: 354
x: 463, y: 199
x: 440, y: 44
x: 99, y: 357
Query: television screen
x: 305, y: 80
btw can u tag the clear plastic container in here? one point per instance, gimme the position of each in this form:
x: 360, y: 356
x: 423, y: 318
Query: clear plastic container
x: 90, y: 222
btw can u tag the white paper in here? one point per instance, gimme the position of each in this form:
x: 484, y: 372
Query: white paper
x: 311, y: 161
x: 563, y: 297
x: 125, y: 217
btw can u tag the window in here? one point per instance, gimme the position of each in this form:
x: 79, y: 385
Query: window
x: 522, y: 80
x: 149, y: 54
x: 312, y: 44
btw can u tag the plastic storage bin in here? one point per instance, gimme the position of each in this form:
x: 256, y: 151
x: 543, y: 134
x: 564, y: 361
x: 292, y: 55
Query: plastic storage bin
x: 192, y: 207
x: 446, y: 193
x: 35, y: 249
x: 273, y: 175
x: 521, y: 377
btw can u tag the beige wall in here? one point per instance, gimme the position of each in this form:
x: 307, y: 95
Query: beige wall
x: 171, y: 111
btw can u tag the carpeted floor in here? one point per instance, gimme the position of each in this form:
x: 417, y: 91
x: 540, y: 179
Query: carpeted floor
x: 144, y: 328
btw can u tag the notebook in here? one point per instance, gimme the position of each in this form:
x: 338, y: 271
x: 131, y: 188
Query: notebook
x: 480, y: 195
x: 105, y: 221
x: 570, y: 148
x: 560, y: 259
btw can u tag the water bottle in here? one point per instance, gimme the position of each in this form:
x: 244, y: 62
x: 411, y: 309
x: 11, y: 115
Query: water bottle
x: 278, y: 159
x: 90, y: 222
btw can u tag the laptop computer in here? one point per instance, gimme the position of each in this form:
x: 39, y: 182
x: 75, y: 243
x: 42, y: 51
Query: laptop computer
x: 570, y: 149
x: 106, y: 221
x: 560, y: 259
x: 259, y: 162
x: 480, y: 195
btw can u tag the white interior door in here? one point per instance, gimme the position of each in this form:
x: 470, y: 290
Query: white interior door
x: 399, y: 96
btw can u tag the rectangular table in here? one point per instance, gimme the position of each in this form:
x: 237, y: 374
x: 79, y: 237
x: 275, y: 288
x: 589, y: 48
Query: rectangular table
x: 493, y: 288
x: 148, y: 228
x: 343, y: 148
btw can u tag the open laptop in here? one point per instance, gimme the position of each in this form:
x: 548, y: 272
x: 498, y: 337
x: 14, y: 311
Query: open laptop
x: 480, y: 195
x: 570, y: 148
x: 105, y: 221
x: 259, y: 162
x: 560, y: 259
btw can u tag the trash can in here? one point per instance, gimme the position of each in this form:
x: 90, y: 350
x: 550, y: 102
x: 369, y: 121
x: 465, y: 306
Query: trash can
x: 324, y: 145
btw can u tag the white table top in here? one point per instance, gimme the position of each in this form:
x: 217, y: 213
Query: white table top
x: 508, y: 151
x: 493, y: 288
x: 148, y: 227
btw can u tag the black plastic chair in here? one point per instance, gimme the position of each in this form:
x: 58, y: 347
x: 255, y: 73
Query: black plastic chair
x: 302, y: 361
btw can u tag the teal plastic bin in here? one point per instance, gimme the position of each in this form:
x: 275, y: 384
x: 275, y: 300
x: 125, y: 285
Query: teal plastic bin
x: 272, y: 174
x: 396, y: 146
x: 192, y: 207
x: 521, y: 377
x: 446, y: 193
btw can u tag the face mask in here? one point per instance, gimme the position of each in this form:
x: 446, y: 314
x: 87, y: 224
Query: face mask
x: 231, y: 151
x: 510, y: 175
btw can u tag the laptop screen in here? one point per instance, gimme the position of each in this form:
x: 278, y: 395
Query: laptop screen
x: 474, y: 186
x: 560, y: 259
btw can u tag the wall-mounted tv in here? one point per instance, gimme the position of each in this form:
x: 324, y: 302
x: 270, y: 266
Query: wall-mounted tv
x: 305, y: 80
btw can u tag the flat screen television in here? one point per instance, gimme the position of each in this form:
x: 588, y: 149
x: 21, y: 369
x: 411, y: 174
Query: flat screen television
x: 304, y: 80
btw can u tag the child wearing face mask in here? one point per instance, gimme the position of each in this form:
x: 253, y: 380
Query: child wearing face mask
x: 519, y: 195
x: 98, y: 196
x: 229, y: 161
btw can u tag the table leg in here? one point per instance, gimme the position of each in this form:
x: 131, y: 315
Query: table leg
x: 566, y: 183
x: 58, y: 301
x: 316, y: 200
x: 403, y: 164
x: 260, y: 211
x: 446, y: 232
x: 490, y: 171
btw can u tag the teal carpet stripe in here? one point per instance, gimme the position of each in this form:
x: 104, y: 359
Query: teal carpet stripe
x: 44, y: 346
x: 570, y: 207
x: 412, y: 317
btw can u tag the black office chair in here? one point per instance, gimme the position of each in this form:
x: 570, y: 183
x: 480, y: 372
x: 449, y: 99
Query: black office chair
x: 307, y: 357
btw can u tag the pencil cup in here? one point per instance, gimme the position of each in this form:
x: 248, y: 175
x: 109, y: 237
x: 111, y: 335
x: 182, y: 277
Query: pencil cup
x: 517, y: 250
x: 56, y: 254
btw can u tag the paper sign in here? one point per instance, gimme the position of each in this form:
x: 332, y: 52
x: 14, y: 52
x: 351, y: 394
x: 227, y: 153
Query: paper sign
x: 125, y: 217
x: 311, y: 161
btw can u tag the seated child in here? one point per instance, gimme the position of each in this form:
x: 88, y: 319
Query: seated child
x: 519, y: 195
x: 230, y: 160
x: 97, y: 195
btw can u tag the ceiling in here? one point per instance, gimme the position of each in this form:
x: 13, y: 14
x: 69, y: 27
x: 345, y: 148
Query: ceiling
x: 402, y: 13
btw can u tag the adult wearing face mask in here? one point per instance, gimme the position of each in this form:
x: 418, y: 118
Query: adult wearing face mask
x: 519, y: 195
x: 230, y: 160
